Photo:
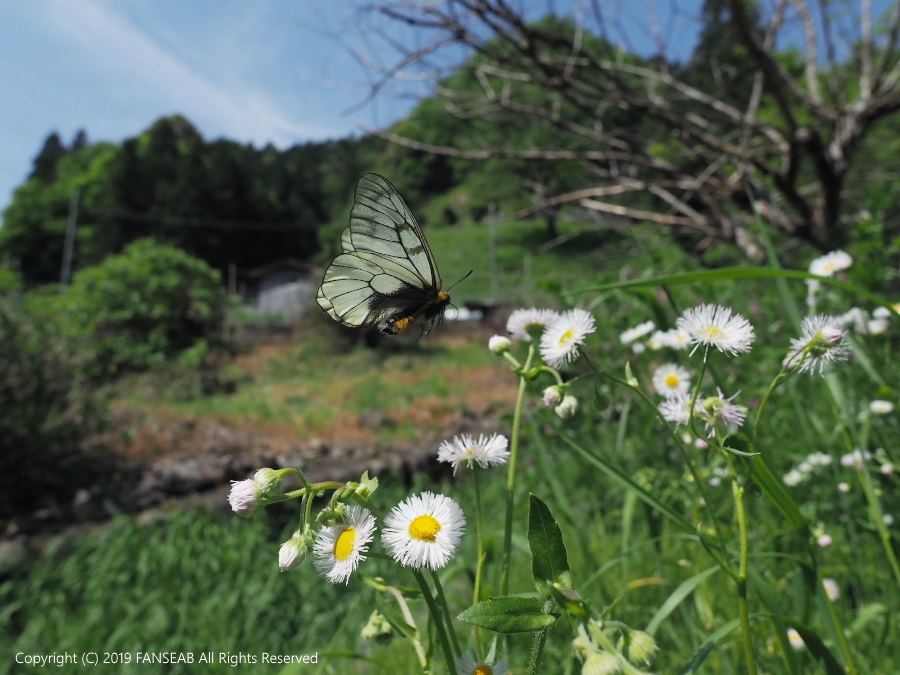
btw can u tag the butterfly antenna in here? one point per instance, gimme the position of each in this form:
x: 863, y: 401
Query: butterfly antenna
x: 463, y: 279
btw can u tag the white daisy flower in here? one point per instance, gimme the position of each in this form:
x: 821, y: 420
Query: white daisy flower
x: 638, y: 331
x: 677, y: 409
x: 677, y: 338
x: 856, y: 319
x: 832, y: 590
x: 820, y: 346
x: 843, y: 487
x: 560, y: 340
x: 720, y: 410
x: 424, y: 531
x: 340, y: 548
x: 671, y: 379
x: 793, y: 478
x: 880, y: 407
x: 855, y: 459
x: 795, y: 640
x: 877, y: 326
x: 469, y: 664
x: 656, y: 341
x: 485, y: 452
x: 718, y: 327
x: 522, y: 322
x: 828, y: 264
x: 824, y: 540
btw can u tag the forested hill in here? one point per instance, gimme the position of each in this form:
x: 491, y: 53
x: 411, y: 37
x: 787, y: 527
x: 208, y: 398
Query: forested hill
x: 218, y: 199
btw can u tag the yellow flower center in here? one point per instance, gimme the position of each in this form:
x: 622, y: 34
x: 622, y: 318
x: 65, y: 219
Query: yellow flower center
x: 483, y: 669
x: 565, y: 338
x: 672, y: 380
x: 470, y: 452
x: 828, y: 267
x: 424, y: 528
x: 712, y: 333
x: 343, y: 547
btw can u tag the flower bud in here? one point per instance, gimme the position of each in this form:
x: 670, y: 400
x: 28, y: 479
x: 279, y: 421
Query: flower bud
x: 638, y: 647
x: 244, y: 497
x: 553, y: 396
x: 601, y: 663
x: 568, y: 407
x: 268, y: 481
x: 499, y: 344
x: 294, y: 550
x: 377, y: 628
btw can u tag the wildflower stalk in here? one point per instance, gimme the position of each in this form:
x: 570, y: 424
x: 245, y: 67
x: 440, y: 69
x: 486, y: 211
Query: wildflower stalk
x: 865, y: 480
x: 878, y: 517
x: 511, y: 474
x: 688, y: 462
x: 445, y: 609
x: 479, y: 562
x: 839, y: 630
x: 439, y: 626
x: 743, y: 565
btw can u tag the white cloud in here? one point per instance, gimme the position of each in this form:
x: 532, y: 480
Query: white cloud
x: 142, y: 75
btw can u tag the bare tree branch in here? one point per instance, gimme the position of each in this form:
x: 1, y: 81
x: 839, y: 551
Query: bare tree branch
x: 653, y: 142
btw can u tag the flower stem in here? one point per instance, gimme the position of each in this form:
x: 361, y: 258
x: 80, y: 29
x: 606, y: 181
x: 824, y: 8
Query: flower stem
x: 438, y: 618
x: 511, y: 478
x: 479, y: 562
x: 741, y: 578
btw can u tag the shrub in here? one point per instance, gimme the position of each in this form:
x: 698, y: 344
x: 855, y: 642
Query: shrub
x: 44, y: 414
x: 146, y: 305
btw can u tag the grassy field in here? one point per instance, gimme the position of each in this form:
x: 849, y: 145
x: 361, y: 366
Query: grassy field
x: 655, y: 526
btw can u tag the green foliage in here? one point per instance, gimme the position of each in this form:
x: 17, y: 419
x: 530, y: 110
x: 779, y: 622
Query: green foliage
x: 221, y: 201
x: 145, y: 305
x: 44, y: 412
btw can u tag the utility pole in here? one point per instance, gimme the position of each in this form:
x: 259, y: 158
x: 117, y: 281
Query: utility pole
x: 494, y: 271
x: 65, y: 275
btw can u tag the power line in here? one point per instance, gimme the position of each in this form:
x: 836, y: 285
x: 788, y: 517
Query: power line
x: 183, y: 221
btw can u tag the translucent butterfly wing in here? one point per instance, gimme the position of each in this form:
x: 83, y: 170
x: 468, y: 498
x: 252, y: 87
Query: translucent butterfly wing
x: 387, y: 271
x: 381, y: 223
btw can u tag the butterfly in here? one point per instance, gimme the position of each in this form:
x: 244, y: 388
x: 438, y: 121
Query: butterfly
x: 386, y: 276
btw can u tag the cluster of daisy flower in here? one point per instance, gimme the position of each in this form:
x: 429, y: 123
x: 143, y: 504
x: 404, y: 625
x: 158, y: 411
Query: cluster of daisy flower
x: 806, y: 468
x: 827, y: 265
x: 673, y: 338
x: 863, y: 323
x: 560, y: 337
x: 423, y: 531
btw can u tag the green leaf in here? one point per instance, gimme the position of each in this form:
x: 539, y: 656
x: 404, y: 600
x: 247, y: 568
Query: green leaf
x: 510, y: 614
x: 740, y: 445
x: 774, y: 489
x: 684, y: 589
x: 549, y: 561
x: 618, y: 476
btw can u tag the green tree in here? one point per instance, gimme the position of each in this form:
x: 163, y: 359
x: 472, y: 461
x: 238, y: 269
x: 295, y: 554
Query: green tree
x: 52, y: 151
x: 145, y: 305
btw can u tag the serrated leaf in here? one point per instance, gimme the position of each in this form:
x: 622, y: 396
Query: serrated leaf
x: 549, y: 561
x: 510, y: 614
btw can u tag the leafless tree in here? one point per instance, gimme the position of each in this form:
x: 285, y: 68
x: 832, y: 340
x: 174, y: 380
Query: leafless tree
x: 777, y: 151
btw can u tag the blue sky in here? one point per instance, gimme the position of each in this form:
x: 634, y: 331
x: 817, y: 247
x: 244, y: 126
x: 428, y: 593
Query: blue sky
x: 256, y: 71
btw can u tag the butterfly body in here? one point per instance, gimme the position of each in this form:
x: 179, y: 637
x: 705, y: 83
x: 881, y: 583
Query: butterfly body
x: 386, y: 276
